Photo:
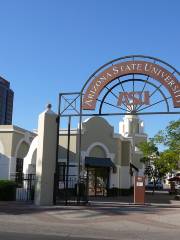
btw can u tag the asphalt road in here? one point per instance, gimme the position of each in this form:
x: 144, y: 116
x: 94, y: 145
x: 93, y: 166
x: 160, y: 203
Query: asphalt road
x: 23, y: 236
x: 122, y: 236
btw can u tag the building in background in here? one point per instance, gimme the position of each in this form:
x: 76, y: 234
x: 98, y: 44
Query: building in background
x: 14, y: 146
x: 6, y: 102
x: 108, y: 159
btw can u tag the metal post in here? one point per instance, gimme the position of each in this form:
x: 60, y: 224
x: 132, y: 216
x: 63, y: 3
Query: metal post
x: 133, y: 146
x: 56, y: 180
x: 30, y: 187
x: 87, y: 185
x: 67, y: 163
x: 95, y: 184
x: 79, y: 150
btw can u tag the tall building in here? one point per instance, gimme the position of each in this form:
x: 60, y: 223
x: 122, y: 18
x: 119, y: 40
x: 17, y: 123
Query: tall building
x: 6, y: 102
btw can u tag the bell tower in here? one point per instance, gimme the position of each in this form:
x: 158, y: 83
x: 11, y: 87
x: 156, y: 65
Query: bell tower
x: 132, y: 128
x: 131, y: 125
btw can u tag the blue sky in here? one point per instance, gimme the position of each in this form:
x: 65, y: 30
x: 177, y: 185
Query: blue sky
x: 52, y: 46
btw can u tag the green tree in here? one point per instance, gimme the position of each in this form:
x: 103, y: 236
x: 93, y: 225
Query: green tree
x: 159, y: 164
x: 150, y: 159
x: 170, y: 137
x: 149, y: 149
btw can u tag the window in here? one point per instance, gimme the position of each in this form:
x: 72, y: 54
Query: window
x: 19, y: 165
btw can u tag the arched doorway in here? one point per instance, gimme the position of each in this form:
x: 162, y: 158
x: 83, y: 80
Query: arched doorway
x: 98, y: 169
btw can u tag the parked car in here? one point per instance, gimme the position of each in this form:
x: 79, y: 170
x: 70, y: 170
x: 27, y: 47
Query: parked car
x: 175, y: 184
x: 177, y: 187
x: 150, y: 186
x: 159, y: 186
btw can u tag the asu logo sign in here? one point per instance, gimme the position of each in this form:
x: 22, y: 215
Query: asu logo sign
x: 133, y: 98
x: 152, y: 70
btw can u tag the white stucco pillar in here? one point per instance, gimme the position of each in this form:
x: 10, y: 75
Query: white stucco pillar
x: 46, y: 157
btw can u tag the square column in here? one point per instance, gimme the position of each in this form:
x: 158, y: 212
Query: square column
x: 46, y: 157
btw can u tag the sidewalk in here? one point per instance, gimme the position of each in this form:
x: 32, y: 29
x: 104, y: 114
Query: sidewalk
x: 158, y: 199
x: 122, y: 203
x: 98, y: 219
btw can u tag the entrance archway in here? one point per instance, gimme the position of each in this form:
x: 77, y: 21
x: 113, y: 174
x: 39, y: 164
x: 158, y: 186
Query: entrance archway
x: 130, y: 85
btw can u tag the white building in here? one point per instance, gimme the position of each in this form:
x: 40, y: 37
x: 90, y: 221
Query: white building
x: 14, y: 146
x: 107, y: 157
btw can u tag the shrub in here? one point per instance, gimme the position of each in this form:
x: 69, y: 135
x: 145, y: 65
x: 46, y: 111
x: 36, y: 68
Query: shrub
x: 7, y: 190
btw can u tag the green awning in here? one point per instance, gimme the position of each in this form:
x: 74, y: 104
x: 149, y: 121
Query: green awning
x: 99, y: 162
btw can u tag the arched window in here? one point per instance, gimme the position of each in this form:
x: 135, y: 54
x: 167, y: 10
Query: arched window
x: 97, y: 151
x: 21, y: 153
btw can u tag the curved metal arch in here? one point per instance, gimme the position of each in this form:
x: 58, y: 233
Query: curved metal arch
x: 130, y: 80
x: 127, y: 57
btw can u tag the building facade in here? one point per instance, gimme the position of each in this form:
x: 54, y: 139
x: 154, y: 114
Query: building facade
x: 108, y: 159
x: 6, y: 102
x: 14, y: 146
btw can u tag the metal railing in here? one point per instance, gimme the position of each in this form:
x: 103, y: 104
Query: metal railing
x: 67, y: 191
x: 25, y: 186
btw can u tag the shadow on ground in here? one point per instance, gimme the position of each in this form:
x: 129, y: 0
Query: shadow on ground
x: 100, y: 206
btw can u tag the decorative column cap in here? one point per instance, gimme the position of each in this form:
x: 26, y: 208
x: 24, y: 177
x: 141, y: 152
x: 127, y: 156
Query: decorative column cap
x: 49, y: 106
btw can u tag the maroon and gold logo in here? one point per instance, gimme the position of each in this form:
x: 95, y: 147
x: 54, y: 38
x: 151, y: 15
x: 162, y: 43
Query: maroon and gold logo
x: 155, y: 71
x: 133, y: 98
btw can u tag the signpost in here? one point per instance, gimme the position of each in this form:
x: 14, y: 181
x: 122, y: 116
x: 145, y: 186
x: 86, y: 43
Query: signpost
x: 139, y: 190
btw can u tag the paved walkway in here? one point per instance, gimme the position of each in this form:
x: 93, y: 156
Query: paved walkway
x: 97, y: 220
